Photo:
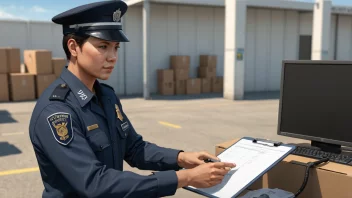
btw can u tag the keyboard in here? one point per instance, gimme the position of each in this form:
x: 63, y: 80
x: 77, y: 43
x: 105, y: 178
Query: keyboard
x: 318, y: 154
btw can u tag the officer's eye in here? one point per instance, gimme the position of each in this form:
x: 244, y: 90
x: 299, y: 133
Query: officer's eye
x: 103, y: 47
x: 117, y: 47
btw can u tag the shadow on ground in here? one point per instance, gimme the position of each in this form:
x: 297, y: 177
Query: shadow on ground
x: 6, y: 117
x: 270, y: 95
x: 8, y: 149
x: 177, y: 97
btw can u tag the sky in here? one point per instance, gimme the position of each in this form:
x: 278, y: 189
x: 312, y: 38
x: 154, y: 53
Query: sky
x: 44, y: 10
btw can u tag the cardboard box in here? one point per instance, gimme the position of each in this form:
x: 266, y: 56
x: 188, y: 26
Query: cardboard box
x: 165, y: 75
x: 13, y: 59
x: 3, y: 62
x: 180, y: 87
x: 4, y: 91
x: 42, y: 82
x: 325, y: 181
x: 205, y: 85
x: 38, y: 61
x: 193, y: 86
x: 207, y: 60
x: 166, y: 88
x: 217, y: 84
x: 206, y: 72
x: 180, y: 62
x: 58, y: 64
x: 22, y: 87
x: 181, y: 74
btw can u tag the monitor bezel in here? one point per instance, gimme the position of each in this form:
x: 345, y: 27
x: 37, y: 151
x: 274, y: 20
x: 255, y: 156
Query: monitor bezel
x: 305, y: 137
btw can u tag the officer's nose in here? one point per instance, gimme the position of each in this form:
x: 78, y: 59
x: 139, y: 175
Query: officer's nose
x: 112, y: 56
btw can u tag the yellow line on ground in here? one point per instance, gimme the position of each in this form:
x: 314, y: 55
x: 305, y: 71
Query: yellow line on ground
x: 10, y: 134
x: 19, y: 171
x: 170, y: 125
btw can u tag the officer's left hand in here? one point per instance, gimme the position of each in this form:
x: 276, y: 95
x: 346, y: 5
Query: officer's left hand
x: 192, y: 159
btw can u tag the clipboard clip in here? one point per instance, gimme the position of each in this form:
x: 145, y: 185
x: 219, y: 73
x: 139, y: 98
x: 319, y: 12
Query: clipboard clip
x: 267, y: 142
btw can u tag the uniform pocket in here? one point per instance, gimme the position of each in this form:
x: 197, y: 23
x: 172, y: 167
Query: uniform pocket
x: 98, y: 140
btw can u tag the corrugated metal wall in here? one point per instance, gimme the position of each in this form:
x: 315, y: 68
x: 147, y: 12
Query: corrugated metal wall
x: 344, y: 38
x: 175, y: 30
x: 32, y: 35
x: 272, y: 35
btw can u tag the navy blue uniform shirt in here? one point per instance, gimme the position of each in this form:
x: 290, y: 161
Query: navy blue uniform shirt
x: 80, y: 140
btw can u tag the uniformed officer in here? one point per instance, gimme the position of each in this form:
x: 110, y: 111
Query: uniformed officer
x: 81, y: 134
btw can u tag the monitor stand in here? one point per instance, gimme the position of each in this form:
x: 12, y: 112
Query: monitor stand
x: 327, y: 147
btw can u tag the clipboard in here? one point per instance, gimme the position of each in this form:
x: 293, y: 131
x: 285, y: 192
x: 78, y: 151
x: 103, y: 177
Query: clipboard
x: 253, y: 158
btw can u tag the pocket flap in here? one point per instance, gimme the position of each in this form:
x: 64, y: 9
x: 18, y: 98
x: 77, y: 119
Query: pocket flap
x: 98, y: 141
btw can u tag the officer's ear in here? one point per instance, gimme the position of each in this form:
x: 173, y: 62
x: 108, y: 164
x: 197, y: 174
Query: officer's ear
x: 73, y: 47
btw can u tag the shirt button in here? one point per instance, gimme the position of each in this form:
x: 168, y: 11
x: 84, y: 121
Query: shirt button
x: 63, y: 85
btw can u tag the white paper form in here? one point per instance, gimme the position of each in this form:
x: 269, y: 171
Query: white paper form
x: 251, y: 159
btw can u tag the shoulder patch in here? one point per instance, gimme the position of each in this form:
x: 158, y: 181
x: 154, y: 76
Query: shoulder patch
x: 107, y: 86
x: 61, y: 127
x: 60, y: 92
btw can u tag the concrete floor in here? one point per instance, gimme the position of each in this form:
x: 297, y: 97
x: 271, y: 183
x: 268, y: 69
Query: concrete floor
x: 197, y: 124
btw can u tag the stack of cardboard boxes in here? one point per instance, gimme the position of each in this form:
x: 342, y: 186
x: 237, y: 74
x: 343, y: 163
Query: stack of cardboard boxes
x: 176, y: 80
x: 28, y: 83
x: 210, y: 82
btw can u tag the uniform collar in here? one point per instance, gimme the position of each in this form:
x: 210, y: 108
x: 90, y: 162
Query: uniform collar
x: 82, y: 93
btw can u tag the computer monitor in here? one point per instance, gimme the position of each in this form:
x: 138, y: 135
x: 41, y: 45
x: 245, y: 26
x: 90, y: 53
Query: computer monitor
x: 316, y: 103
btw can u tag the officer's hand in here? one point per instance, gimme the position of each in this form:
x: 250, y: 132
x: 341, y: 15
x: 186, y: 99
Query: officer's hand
x: 209, y: 174
x: 192, y: 159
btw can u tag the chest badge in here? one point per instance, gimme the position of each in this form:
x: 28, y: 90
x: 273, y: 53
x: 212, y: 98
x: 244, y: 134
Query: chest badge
x: 118, y: 112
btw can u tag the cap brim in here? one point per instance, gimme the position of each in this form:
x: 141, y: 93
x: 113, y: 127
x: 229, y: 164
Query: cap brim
x: 109, y: 35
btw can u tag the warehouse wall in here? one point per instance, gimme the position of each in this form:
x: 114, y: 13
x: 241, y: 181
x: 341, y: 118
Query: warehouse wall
x: 175, y: 30
x: 272, y: 35
x: 42, y: 35
x: 344, y: 38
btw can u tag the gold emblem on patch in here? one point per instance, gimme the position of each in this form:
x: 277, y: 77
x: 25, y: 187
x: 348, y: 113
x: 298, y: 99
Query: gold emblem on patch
x: 118, y: 112
x: 61, y: 130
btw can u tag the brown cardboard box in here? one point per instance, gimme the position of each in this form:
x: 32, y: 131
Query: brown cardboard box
x: 42, y: 81
x: 325, y: 181
x: 58, y: 65
x: 38, y: 61
x: 207, y: 60
x: 180, y: 87
x: 3, y: 62
x: 193, y: 86
x: 217, y: 84
x: 22, y: 87
x: 4, y: 91
x: 181, y: 74
x: 206, y: 72
x: 205, y: 85
x: 13, y: 59
x: 166, y: 88
x: 165, y: 75
x: 180, y: 62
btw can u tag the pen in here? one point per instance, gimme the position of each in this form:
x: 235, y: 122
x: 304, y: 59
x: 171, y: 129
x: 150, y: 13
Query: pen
x: 211, y: 161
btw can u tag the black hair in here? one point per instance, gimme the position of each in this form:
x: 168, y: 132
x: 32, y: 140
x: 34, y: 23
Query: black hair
x: 80, y: 40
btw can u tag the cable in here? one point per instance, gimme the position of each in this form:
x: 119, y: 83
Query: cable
x: 306, y: 176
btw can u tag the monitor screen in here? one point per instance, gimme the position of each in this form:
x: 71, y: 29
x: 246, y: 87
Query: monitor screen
x: 316, y: 101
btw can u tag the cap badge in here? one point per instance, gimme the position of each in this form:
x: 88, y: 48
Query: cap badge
x: 117, y: 15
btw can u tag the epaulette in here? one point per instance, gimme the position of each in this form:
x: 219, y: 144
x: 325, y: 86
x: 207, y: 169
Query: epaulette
x: 60, y: 92
x: 107, y: 86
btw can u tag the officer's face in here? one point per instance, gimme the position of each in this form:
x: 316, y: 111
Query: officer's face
x: 98, y: 57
